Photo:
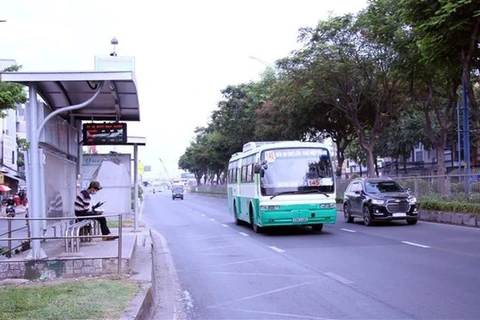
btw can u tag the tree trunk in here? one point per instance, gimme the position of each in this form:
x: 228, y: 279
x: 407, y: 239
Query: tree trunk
x: 370, y: 162
x: 441, y: 169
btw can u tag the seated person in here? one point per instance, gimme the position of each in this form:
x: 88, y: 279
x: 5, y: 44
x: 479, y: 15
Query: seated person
x: 82, y: 208
x: 312, y: 174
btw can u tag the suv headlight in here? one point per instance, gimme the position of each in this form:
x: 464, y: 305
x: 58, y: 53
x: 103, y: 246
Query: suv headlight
x: 378, y: 202
x: 412, y: 200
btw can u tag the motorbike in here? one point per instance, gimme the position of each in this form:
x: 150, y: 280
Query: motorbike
x: 10, y: 210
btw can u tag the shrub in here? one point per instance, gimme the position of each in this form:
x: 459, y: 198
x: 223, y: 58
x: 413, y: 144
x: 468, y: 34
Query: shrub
x: 449, y: 206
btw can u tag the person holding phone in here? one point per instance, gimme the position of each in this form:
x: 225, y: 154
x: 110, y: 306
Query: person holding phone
x: 82, y: 208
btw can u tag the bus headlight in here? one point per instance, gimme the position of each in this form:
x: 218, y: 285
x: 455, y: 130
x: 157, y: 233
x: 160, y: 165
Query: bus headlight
x: 264, y: 208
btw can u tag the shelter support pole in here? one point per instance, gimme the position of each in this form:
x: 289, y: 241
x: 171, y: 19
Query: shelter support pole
x: 35, y: 206
x: 135, y: 184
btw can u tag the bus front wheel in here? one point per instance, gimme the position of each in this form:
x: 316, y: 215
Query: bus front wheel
x: 255, y: 227
x: 317, y: 227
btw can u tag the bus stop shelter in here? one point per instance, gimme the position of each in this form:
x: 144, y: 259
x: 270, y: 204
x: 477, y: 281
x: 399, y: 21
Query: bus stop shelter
x: 75, y: 97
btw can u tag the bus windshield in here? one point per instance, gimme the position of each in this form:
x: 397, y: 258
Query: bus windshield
x: 296, y: 170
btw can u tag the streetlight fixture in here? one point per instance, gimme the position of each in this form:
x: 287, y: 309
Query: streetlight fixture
x: 114, y: 42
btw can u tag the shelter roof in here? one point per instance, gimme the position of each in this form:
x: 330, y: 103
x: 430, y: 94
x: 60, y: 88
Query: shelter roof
x: 117, y: 101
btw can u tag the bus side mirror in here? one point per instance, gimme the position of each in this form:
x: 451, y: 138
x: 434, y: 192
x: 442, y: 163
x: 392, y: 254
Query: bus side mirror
x: 257, y: 168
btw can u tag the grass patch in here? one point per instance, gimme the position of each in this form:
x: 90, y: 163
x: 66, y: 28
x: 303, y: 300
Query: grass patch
x: 92, y: 298
x: 126, y: 223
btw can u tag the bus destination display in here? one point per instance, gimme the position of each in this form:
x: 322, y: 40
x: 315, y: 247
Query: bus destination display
x: 105, y: 133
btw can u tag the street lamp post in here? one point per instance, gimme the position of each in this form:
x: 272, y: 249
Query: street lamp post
x: 114, y: 42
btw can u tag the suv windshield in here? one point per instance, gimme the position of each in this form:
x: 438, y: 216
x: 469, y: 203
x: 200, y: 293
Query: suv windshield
x: 382, y: 187
x: 296, y: 170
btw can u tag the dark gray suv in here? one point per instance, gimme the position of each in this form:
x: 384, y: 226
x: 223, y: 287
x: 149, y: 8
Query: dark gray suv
x: 378, y: 199
x: 177, y: 192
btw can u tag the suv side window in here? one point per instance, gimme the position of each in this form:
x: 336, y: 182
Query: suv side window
x: 355, y: 187
x: 361, y: 186
x: 350, y: 187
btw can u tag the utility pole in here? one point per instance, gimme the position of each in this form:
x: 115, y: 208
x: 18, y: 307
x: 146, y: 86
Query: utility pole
x: 466, y: 136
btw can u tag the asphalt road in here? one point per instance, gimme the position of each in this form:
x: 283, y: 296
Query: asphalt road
x: 347, y: 271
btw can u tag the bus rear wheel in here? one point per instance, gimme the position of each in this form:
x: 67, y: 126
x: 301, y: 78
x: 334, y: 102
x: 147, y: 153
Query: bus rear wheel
x: 235, y: 217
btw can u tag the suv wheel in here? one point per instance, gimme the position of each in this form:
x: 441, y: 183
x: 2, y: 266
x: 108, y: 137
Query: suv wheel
x: 412, y: 221
x: 367, y: 217
x: 346, y: 213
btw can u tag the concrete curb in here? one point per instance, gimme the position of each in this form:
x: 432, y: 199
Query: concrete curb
x: 142, y: 306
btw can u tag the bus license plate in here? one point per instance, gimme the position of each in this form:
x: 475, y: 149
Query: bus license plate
x: 300, y: 219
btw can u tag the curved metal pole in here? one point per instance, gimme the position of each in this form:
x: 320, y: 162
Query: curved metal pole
x: 74, y: 107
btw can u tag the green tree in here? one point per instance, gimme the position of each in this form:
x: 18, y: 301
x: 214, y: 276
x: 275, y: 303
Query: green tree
x: 442, y: 34
x: 11, y: 94
x: 22, y: 146
x: 354, y: 71
x: 448, y: 35
x: 402, y: 136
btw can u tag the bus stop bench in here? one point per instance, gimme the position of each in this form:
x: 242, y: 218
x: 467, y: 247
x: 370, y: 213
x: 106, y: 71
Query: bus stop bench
x: 76, y: 232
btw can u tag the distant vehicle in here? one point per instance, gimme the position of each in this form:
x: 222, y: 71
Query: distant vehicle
x: 177, y: 192
x: 286, y: 183
x: 378, y: 199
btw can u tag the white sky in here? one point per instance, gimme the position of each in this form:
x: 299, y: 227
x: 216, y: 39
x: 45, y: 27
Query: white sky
x: 185, y: 52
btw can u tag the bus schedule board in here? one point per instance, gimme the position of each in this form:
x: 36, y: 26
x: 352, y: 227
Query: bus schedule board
x: 106, y: 133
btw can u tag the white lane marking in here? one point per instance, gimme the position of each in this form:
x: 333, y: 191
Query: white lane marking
x: 220, y: 247
x: 224, y: 225
x: 282, y: 315
x: 276, y: 249
x: 237, y: 262
x: 416, y: 244
x: 203, y: 215
x: 266, y: 293
x: 338, y: 278
x: 348, y: 230
x: 211, y: 219
x: 244, y: 234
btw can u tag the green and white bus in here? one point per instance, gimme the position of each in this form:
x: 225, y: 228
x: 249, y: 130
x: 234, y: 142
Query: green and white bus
x: 286, y: 183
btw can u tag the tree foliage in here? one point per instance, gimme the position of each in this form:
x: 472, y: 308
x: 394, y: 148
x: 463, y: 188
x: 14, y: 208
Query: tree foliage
x: 11, y: 94
x: 378, y: 82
